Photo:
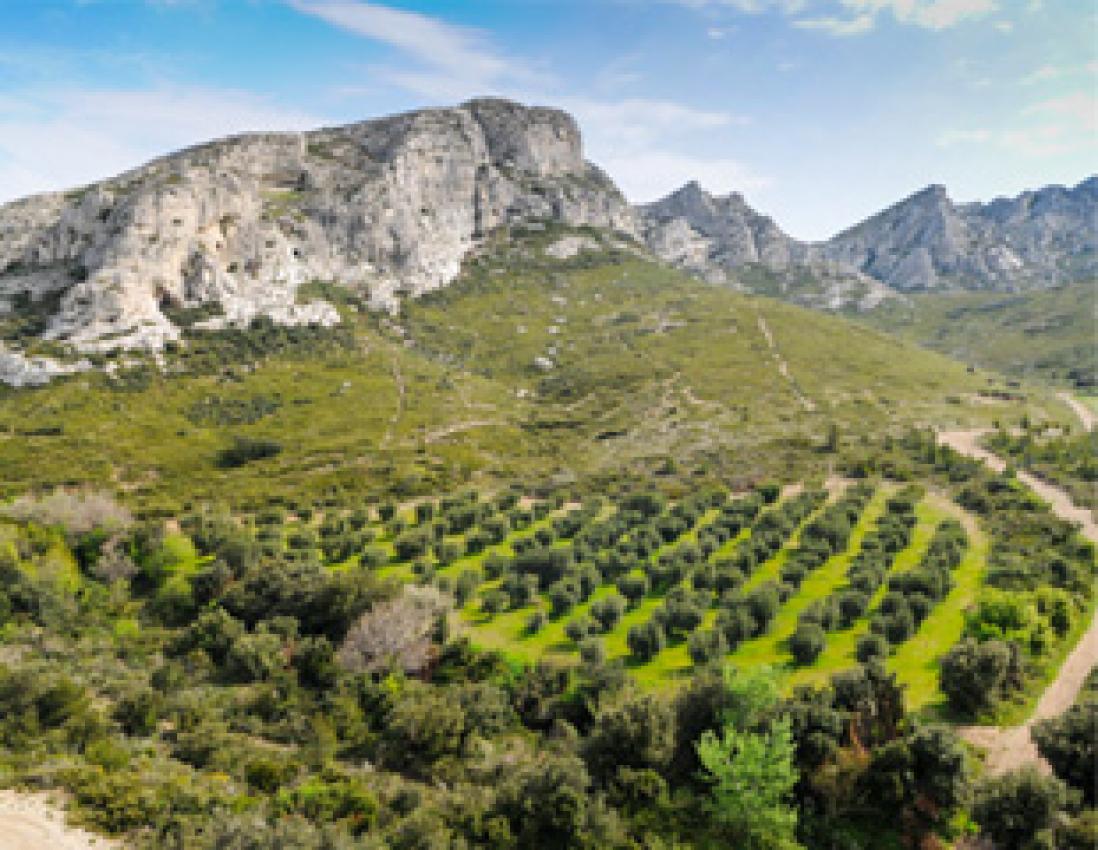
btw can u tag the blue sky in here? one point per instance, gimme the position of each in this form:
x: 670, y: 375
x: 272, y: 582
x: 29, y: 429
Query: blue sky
x: 820, y: 111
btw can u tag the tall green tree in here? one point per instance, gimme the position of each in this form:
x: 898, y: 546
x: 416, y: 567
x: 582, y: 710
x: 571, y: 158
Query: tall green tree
x: 751, y: 768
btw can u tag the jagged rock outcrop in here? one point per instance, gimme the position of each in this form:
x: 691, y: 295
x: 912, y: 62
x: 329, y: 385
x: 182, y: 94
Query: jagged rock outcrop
x: 711, y: 235
x: 1034, y: 240
x: 389, y: 207
x: 723, y: 240
x: 1037, y: 239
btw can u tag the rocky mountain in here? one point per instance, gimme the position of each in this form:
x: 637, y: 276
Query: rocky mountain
x: 222, y: 233
x: 723, y: 240
x: 1035, y: 240
x: 230, y: 230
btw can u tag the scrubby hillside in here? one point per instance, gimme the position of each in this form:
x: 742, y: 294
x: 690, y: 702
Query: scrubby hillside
x: 528, y: 365
x: 1046, y: 335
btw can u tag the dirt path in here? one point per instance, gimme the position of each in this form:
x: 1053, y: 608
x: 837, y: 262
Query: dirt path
x: 968, y: 442
x: 1085, y: 414
x: 783, y: 367
x: 398, y: 382
x: 1011, y: 748
x: 33, y: 822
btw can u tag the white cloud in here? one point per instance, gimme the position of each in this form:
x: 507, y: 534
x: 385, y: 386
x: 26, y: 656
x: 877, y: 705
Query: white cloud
x: 1045, y: 129
x: 1005, y: 27
x: 1041, y: 75
x: 855, y: 17
x: 842, y: 27
x: 52, y: 139
x: 750, y: 7
x: 1077, y: 108
x: 461, y: 52
x: 1047, y: 140
x: 949, y: 138
x: 629, y: 136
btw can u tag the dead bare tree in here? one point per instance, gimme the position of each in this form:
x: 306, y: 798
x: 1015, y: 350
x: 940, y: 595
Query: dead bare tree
x: 397, y: 631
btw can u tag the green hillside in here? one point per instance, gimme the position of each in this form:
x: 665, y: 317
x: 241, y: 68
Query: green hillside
x: 641, y: 365
x: 1046, y: 335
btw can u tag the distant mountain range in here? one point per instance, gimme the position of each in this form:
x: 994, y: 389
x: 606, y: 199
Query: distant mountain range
x: 925, y: 242
x: 219, y: 234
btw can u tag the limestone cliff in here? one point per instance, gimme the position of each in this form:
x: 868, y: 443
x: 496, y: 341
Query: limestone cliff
x: 236, y: 226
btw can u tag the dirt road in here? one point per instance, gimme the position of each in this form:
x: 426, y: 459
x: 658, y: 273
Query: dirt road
x: 1010, y: 748
x: 1085, y: 414
x: 968, y: 442
x: 32, y: 822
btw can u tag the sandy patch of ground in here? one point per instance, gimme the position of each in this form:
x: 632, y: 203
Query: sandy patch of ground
x: 35, y: 822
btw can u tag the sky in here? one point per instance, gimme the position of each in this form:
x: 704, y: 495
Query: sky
x: 821, y: 112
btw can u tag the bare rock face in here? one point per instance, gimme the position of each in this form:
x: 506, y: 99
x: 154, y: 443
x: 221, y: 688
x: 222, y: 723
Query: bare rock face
x: 723, y: 240
x: 705, y: 233
x: 389, y: 207
x: 1035, y: 240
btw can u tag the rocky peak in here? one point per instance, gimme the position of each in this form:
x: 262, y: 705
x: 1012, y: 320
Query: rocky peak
x: 389, y: 207
x: 1036, y: 239
x: 713, y: 235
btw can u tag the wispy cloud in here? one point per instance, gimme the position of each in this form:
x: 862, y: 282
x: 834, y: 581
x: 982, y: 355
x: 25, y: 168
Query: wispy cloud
x: 648, y: 175
x: 55, y: 138
x: 630, y: 136
x: 1079, y: 108
x: 463, y: 52
x: 950, y: 138
x: 832, y: 25
x: 1044, y: 129
x: 856, y: 17
x: 1041, y: 75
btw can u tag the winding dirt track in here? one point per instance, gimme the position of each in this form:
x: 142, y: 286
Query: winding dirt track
x: 1013, y: 747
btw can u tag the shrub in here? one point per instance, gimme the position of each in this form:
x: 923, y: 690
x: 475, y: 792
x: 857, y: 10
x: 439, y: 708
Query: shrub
x: 1017, y: 810
x: 974, y: 676
x: 397, y: 631
x: 592, y: 651
x: 871, y: 646
x: 579, y: 629
x: 608, y: 611
x: 646, y: 640
x: 807, y: 643
x: 706, y: 646
x: 1068, y: 744
x: 535, y: 622
x: 244, y: 450
x: 634, y: 588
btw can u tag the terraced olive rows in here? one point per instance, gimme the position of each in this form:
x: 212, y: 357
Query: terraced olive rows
x: 666, y: 586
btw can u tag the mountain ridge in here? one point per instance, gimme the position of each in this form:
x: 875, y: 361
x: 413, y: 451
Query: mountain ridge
x: 224, y: 232
x: 925, y: 241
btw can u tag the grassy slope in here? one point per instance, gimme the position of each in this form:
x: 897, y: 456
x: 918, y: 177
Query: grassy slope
x: 770, y: 648
x: 649, y: 364
x: 915, y: 662
x: 1043, y: 335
